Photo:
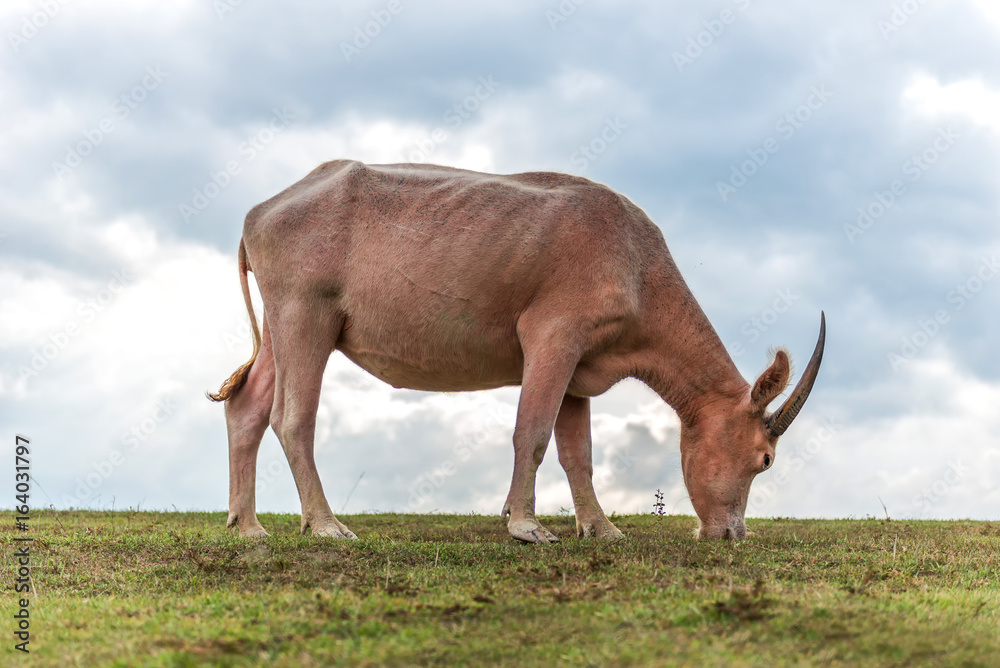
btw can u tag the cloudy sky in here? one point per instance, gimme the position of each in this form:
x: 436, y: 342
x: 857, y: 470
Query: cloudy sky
x: 842, y: 156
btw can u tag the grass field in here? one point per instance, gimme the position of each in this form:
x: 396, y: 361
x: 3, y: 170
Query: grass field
x: 176, y: 589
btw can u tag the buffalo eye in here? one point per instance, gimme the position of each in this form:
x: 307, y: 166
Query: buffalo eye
x: 767, y: 461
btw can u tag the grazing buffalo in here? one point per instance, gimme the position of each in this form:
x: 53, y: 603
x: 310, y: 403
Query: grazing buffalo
x: 442, y: 279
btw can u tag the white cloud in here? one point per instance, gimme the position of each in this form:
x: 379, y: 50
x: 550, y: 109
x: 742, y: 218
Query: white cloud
x: 967, y: 97
x: 990, y: 9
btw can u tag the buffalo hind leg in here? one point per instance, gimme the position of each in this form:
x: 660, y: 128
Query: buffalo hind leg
x: 304, y: 335
x: 248, y: 413
x: 547, y: 371
x: 574, y: 444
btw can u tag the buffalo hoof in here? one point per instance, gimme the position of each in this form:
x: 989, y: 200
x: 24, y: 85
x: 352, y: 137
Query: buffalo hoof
x: 601, y: 529
x: 530, y: 531
x: 251, y: 529
x: 334, y: 531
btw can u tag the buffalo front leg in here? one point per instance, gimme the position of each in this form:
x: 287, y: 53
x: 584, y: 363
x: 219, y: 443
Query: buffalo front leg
x: 575, y: 446
x: 247, y: 415
x: 304, y: 338
x: 546, y: 375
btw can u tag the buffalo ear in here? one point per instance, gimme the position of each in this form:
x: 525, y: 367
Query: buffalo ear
x: 772, y: 382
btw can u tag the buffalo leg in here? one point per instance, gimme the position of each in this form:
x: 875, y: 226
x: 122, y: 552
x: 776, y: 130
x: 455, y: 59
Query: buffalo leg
x: 247, y: 415
x: 304, y: 334
x: 574, y: 444
x: 547, y: 371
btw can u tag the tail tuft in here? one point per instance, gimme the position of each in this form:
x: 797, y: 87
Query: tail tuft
x: 234, y: 383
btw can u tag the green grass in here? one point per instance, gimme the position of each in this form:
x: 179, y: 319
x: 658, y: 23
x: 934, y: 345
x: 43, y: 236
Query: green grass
x: 176, y: 589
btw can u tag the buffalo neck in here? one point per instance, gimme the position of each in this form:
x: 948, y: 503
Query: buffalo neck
x: 684, y: 360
